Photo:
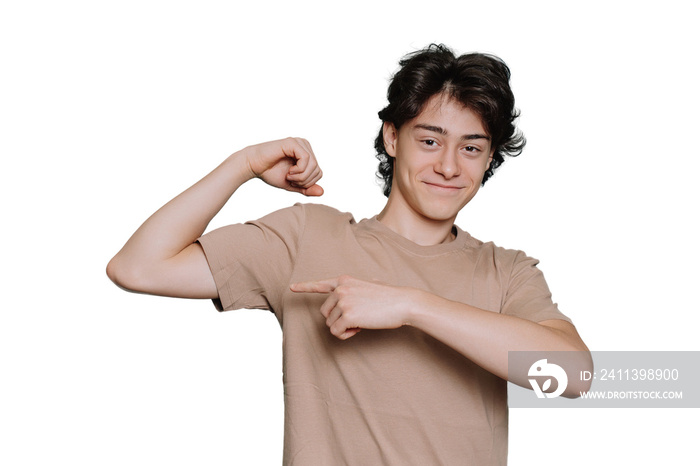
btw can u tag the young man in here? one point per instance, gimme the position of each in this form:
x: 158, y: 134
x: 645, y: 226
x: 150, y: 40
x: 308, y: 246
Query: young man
x: 397, y: 328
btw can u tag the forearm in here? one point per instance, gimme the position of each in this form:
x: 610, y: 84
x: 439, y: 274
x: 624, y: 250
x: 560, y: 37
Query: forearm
x: 181, y: 221
x: 482, y: 336
x: 486, y: 337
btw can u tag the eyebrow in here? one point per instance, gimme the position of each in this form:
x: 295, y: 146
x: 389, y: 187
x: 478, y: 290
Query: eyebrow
x: 443, y: 131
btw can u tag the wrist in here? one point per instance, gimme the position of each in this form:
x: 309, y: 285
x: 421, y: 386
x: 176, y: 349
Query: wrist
x: 417, y: 307
x: 239, y: 167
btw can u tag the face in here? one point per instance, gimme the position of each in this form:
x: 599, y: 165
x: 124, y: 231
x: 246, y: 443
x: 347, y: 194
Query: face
x: 440, y: 158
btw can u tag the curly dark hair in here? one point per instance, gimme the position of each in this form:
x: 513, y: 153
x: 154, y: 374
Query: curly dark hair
x: 479, y: 81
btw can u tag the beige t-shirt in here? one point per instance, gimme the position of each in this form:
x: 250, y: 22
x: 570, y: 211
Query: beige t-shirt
x: 394, y: 397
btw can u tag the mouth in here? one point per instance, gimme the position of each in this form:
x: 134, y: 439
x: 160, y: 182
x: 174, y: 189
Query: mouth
x: 444, y: 187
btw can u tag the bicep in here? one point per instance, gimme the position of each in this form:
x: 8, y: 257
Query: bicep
x: 186, y: 275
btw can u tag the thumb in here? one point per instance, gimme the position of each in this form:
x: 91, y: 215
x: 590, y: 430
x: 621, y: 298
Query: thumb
x: 315, y: 190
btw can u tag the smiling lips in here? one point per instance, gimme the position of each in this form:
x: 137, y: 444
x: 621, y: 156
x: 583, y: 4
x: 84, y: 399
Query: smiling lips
x: 443, y: 186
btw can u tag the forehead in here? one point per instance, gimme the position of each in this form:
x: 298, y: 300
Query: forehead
x: 447, y: 112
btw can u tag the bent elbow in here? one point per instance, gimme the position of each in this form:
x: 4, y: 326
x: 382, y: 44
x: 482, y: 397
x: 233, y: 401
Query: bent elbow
x: 577, y: 389
x: 122, y: 275
x: 112, y: 270
x: 579, y: 384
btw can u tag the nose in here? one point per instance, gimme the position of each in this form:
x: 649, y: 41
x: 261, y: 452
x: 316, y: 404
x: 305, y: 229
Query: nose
x: 447, y: 165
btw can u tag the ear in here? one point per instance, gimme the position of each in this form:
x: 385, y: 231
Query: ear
x: 390, y: 137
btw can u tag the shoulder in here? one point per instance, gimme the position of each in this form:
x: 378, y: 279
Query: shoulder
x: 499, y: 257
x: 324, y: 216
x: 324, y: 211
x: 301, y: 219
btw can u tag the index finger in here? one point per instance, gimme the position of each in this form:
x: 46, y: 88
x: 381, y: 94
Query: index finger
x: 318, y: 286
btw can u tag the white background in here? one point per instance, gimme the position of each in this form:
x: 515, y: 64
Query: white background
x: 109, y: 109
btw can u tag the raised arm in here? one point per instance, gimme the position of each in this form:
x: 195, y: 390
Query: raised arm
x: 162, y: 257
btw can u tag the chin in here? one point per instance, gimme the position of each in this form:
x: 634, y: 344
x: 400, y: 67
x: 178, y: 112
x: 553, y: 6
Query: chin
x: 440, y: 214
x: 445, y: 208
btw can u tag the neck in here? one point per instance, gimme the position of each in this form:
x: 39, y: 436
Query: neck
x: 415, y: 227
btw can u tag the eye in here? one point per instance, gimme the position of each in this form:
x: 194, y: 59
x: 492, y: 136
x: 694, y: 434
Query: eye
x: 472, y: 149
x: 429, y: 142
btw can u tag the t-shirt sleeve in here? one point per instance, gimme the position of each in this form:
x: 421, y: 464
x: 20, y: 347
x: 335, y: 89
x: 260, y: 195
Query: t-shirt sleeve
x: 527, y: 295
x: 252, y: 262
